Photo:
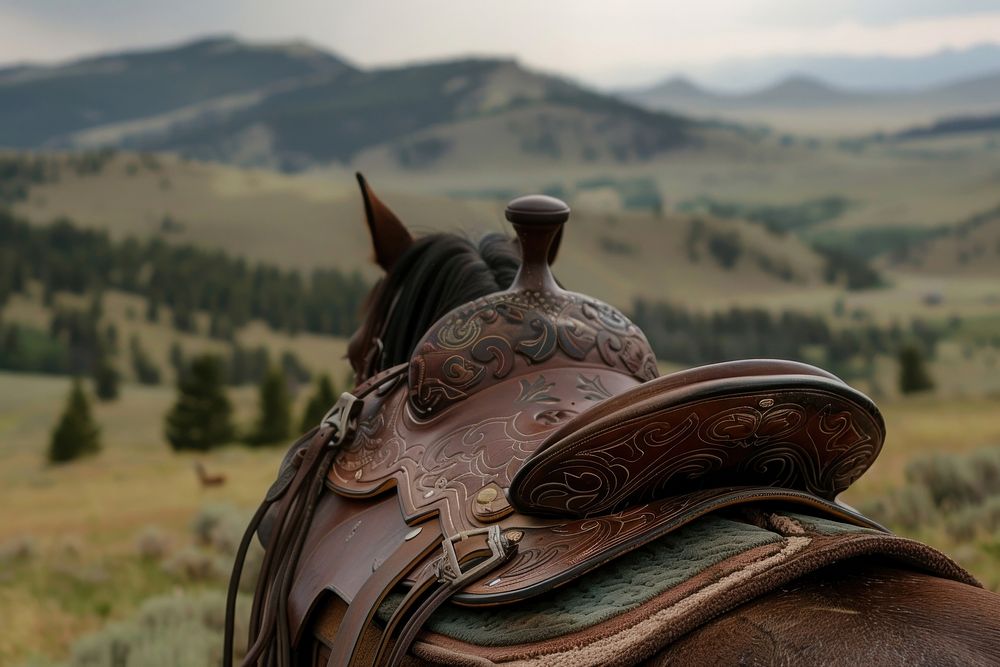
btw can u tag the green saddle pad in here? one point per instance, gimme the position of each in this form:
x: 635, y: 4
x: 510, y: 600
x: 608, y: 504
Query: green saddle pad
x: 612, y: 589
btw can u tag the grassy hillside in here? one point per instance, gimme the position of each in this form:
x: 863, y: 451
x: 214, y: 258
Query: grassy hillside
x: 314, y: 221
x: 892, y: 194
x: 969, y: 248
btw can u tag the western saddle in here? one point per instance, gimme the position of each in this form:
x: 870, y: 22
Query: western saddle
x: 527, y: 442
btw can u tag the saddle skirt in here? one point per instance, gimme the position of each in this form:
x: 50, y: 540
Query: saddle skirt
x: 530, y: 440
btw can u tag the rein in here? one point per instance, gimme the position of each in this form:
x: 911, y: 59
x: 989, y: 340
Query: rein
x: 293, y: 496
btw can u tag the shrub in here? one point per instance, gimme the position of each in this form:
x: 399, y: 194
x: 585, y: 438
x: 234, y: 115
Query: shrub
x: 219, y: 527
x: 217, y: 530
x: 168, y: 631
x: 954, y: 482
x: 965, y: 523
x: 197, y: 565
x: 908, y: 508
x: 22, y: 548
x: 152, y: 544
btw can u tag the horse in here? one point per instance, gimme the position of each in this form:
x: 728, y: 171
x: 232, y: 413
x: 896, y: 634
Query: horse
x: 511, y: 482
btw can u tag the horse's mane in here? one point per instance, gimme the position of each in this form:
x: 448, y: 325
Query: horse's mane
x: 436, y: 274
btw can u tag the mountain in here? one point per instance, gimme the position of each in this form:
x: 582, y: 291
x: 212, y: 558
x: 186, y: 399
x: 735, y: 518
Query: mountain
x: 810, y: 105
x: 293, y: 107
x: 977, y: 90
x: 863, y: 73
x: 800, y: 92
x: 40, y: 104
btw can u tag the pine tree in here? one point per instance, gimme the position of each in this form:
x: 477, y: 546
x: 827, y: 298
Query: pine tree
x: 76, y: 434
x: 153, y: 308
x: 106, y: 379
x: 202, y: 416
x: 274, y: 420
x: 913, y: 375
x: 177, y: 361
x: 319, y: 403
x: 145, y: 369
x: 184, y: 319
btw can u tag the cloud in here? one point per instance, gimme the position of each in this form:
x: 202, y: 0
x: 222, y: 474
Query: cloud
x: 595, y: 40
x: 866, y: 12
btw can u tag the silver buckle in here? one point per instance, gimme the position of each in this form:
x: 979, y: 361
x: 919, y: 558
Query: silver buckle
x: 342, y: 416
x: 449, y: 570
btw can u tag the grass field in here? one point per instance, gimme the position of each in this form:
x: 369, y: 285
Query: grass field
x: 82, y: 521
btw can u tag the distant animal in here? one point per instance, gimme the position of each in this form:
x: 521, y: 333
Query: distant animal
x: 206, y: 478
x: 510, y: 482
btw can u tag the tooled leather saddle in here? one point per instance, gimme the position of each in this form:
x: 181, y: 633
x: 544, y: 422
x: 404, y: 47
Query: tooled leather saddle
x: 527, y: 442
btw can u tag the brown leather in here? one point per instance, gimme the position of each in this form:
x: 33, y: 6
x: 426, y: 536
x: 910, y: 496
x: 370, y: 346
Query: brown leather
x: 534, y: 326
x: 661, y: 385
x: 375, y: 589
x: 350, y: 540
x: 795, y: 431
x: 553, y: 554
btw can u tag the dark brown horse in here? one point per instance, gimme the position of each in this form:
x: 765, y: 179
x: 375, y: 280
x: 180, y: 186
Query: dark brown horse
x: 509, y: 448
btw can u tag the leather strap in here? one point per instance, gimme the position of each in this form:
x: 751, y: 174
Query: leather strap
x: 488, y: 548
x: 355, y: 538
x: 362, y: 609
x: 265, y: 614
x: 293, y: 495
x: 484, y: 548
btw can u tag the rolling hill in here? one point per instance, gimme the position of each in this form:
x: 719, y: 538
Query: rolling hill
x: 292, y: 107
x: 308, y: 221
x: 970, y: 248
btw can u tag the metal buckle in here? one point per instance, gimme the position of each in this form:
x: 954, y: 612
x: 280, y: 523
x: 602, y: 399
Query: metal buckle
x: 449, y: 570
x: 342, y: 416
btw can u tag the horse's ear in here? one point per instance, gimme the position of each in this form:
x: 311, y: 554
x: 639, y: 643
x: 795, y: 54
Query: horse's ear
x: 390, y: 238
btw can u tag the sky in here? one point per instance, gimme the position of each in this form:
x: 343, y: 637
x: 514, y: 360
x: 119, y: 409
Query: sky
x: 604, y: 42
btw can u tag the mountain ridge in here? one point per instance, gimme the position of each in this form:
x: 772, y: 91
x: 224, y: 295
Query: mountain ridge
x: 860, y: 73
x: 802, y: 103
x: 293, y: 106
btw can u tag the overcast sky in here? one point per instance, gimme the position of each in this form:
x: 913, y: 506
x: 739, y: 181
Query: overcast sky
x: 603, y: 42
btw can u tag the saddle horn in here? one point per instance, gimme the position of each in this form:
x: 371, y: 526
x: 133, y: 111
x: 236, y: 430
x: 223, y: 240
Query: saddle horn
x: 538, y: 221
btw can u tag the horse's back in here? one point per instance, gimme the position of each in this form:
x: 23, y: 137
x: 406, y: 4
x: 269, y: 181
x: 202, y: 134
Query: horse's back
x: 853, y: 613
